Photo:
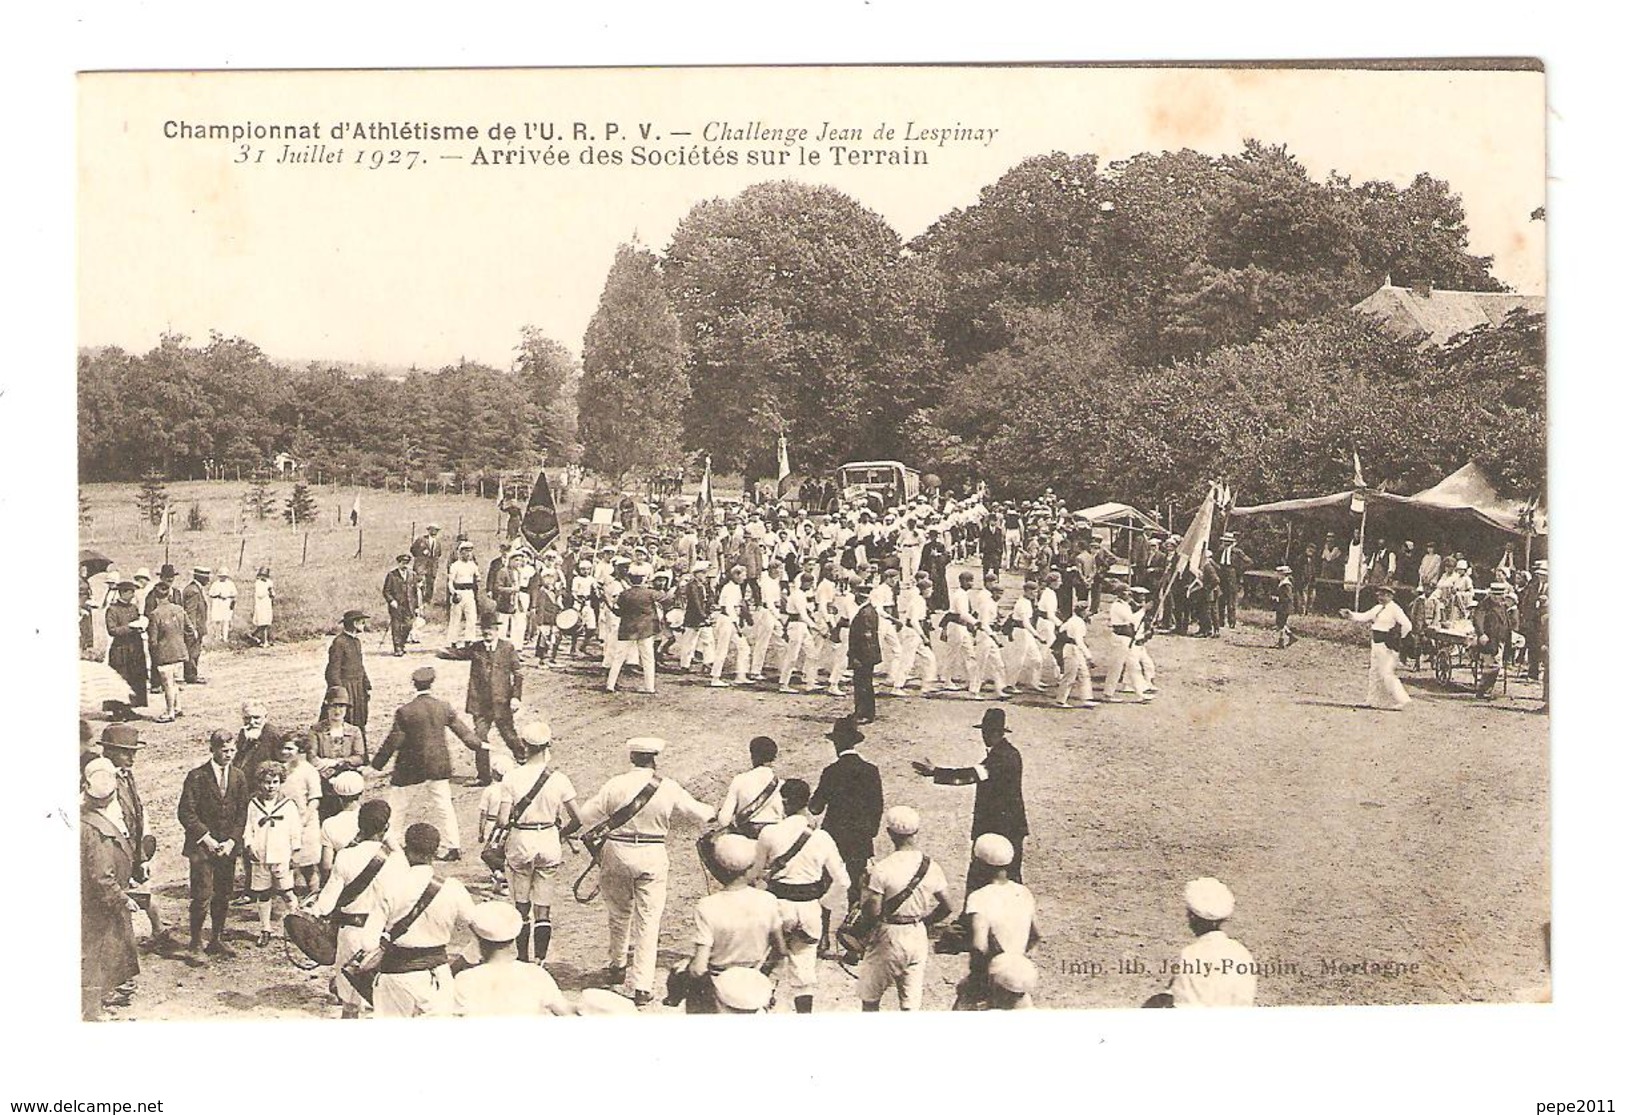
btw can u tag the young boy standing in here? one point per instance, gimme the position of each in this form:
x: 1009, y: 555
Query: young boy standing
x: 272, y: 834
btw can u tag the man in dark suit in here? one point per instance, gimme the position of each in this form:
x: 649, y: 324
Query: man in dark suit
x: 164, y: 590
x: 495, y: 686
x: 195, y: 602
x: 212, y: 810
x: 638, y: 609
x: 999, y: 806
x: 345, y: 667
x: 120, y: 742
x: 419, y: 737
x: 401, y: 594
x: 863, y: 655
x: 850, y: 798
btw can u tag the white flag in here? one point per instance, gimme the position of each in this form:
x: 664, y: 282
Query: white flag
x: 784, y: 459
x: 1359, y: 477
x: 163, y: 525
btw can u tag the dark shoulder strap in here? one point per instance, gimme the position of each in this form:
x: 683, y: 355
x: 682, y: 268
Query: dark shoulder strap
x: 790, y: 853
x: 353, y: 889
x: 529, y: 796
x: 754, y: 806
x: 626, y: 812
x: 892, y: 904
x: 398, y: 930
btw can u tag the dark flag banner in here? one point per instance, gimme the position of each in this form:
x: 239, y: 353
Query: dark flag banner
x: 541, y: 523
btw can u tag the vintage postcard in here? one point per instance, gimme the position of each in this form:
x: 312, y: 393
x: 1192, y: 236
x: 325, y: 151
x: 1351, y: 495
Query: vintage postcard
x: 812, y: 539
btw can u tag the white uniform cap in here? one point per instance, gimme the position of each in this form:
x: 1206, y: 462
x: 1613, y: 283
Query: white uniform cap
x: 743, y: 989
x: 501, y: 762
x: 1209, y: 899
x: 537, y: 733
x: 496, y: 922
x: 1462, y: 565
x: 734, y: 853
x: 349, y: 784
x: 701, y: 566
x: 1013, y: 972
x: 598, y: 1001
x: 993, y: 850
x: 903, y: 820
x: 101, y: 778
x: 139, y: 573
x: 645, y: 745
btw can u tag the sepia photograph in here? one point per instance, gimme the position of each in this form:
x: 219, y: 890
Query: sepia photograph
x: 812, y: 539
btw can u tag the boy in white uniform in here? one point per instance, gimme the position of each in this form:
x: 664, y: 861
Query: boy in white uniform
x: 903, y: 900
x: 1076, y: 661
x: 501, y: 984
x: 799, y: 864
x: 532, y: 835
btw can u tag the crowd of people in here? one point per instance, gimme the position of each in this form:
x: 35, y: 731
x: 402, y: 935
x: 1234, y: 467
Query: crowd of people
x: 771, y: 596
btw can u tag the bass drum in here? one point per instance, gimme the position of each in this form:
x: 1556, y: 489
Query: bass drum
x: 674, y: 619
x: 568, y: 620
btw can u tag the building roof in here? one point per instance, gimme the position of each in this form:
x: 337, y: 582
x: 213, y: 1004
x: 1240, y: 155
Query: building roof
x: 1438, y: 315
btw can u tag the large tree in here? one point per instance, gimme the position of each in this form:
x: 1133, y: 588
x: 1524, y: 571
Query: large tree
x: 634, y: 380
x: 552, y: 378
x: 801, y: 315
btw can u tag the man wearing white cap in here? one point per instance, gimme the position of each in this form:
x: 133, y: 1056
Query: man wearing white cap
x: 463, y: 588
x: 799, y: 865
x: 728, y: 629
x: 1389, y: 626
x: 1001, y: 913
x: 537, y: 809
x: 1126, y: 618
x: 1213, y: 970
x: 629, y: 818
x: 338, y: 830
x: 501, y: 984
x: 737, y: 927
x: 905, y: 893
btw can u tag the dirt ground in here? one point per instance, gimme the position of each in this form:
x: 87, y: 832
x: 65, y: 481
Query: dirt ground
x: 1376, y: 857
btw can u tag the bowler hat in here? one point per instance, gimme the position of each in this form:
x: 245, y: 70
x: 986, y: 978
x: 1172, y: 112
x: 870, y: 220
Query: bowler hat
x: 845, y: 730
x: 352, y: 615
x: 993, y: 719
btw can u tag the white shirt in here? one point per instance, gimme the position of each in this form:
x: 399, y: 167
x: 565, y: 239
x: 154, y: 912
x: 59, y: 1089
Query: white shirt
x: 911, y: 608
x: 1120, y: 615
x: 730, y: 599
x: 986, y: 608
x: 796, y: 606
x: 744, y: 789
x: 959, y: 604
x: 884, y: 600
x: 737, y: 925
x: 1049, y: 605
x: 888, y: 877
x: 347, y: 866
x: 1022, y: 613
x: 1009, y: 909
x: 1214, y: 971
x: 506, y: 989
x: 1385, y: 617
x: 772, y: 591
x: 451, y: 909
x: 817, y: 857
x: 464, y: 573
x: 1076, y: 630
x: 654, y: 819
x: 339, y: 829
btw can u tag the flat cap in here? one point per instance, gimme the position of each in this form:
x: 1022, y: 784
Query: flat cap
x: 497, y: 922
x: 349, y: 784
x: 994, y: 850
x: 734, y: 853
x: 1013, y: 972
x: 423, y: 675
x: 742, y: 990
x: 1209, y: 899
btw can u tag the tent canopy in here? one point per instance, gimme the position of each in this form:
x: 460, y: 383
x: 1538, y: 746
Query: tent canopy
x: 1121, y: 515
x: 1466, y: 497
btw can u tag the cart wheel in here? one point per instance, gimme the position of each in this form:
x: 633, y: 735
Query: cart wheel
x: 1441, y: 664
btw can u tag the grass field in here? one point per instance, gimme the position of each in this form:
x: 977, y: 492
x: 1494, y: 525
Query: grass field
x: 320, y: 570
x: 1361, y: 845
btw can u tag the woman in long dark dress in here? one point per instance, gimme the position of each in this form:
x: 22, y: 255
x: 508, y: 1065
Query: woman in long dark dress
x: 128, y: 654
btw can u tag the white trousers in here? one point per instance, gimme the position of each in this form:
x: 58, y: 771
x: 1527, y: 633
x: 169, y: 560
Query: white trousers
x: 1121, y: 669
x: 1382, y: 687
x: 795, y: 654
x: 961, y: 648
x: 1028, y: 668
x: 913, y: 651
x: 633, y: 884
x: 763, y: 634
x: 463, y: 622
x: 439, y: 791
x: 725, y: 632
x: 986, y: 661
x: 1075, y: 676
x: 695, y: 639
x: 513, y: 628
x: 410, y: 994
x: 622, y: 650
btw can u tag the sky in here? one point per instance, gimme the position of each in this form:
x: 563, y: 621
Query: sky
x: 450, y: 259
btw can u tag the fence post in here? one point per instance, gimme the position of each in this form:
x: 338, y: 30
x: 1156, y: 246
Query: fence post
x: 360, y: 532
x: 304, y: 549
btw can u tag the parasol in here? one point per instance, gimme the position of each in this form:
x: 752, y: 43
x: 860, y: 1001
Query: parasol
x: 94, y: 562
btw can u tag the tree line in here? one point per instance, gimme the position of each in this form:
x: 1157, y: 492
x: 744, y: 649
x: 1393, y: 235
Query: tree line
x: 1115, y: 331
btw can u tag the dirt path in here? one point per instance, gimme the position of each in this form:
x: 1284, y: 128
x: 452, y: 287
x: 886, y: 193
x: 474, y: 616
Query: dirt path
x: 1353, y: 839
